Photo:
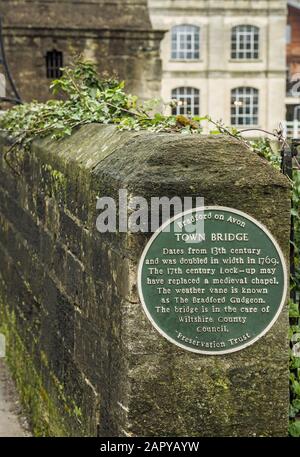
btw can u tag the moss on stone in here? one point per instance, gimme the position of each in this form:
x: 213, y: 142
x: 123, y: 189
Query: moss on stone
x: 43, y: 413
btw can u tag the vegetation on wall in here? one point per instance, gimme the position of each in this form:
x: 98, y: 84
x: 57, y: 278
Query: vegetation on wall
x: 295, y: 316
x: 86, y: 98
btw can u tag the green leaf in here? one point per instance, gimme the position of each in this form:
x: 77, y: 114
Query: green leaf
x: 295, y: 213
x: 293, y: 309
x: 294, y: 429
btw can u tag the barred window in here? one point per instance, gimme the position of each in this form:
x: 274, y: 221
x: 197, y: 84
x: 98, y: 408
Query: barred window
x: 185, y: 42
x: 244, y: 106
x: 245, y: 42
x: 54, y: 63
x: 187, y: 99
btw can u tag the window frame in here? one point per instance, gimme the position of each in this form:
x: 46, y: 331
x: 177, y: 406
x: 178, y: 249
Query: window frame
x: 185, y: 42
x: 288, y: 33
x: 190, y: 97
x: 54, y: 63
x: 246, y: 114
x: 245, y: 44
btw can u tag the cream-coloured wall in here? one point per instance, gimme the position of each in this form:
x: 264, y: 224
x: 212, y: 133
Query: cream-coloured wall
x: 215, y: 96
x: 215, y: 73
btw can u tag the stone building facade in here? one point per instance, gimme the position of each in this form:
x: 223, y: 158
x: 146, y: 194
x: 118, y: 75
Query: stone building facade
x: 293, y: 37
x: 293, y: 69
x: 224, y: 58
x: 40, y: 36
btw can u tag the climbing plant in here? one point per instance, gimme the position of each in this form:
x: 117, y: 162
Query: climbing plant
x: 85, y: 98
x: 295, y: 316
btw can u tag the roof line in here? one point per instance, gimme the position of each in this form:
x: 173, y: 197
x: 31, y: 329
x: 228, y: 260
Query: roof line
x: 294, y: 4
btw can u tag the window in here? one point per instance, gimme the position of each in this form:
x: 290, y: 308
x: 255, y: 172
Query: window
x: 245, y: 42
x: 54, y: 63
x: 244, y: 106
x: 187, y: 101
x: 185, y: 42
x: 288, y: 34
x: 293, y: 113
x: 297, y: 112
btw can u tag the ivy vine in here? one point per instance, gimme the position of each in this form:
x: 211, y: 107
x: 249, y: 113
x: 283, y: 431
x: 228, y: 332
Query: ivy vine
x: 294, y: 428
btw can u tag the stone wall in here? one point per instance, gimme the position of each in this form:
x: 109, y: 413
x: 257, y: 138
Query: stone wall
x: 121, y: 43
x: 86, y: 359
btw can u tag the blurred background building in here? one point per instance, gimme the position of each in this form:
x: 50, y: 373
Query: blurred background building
x: 236, y: 60
x: 41, y: 36
x: 224, y: 58
x: 293, y: 69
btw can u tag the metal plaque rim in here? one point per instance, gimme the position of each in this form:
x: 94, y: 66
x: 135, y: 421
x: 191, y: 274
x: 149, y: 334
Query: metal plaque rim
x: 213, y: 208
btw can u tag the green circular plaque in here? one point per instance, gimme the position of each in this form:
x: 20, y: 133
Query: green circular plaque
x: 213, y: 289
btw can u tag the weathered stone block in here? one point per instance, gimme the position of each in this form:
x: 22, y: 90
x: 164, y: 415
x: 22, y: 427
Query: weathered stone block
x: 69, y: 297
